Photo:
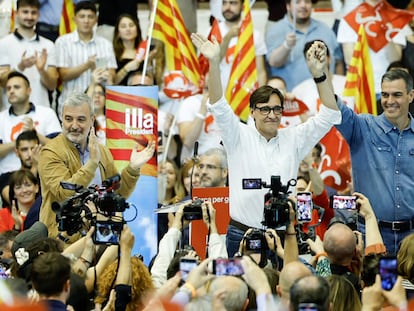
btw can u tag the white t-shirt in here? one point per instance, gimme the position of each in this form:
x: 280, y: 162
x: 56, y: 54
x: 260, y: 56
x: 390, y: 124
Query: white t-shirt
x: 12, y: 48
x: 45, y: 121
x: 307, y: 92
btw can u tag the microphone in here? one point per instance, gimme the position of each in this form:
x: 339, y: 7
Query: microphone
x: 195, y: 154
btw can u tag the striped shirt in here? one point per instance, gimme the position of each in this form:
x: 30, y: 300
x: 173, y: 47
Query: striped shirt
x: 72, y: 52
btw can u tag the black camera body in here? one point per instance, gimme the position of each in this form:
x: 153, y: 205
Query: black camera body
x: 256, y: 241
x: 276, y: 211
x: 193, y: 210
x: 107, y: 202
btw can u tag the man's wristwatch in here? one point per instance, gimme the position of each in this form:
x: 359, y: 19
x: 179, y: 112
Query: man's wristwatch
x: 320, y: 79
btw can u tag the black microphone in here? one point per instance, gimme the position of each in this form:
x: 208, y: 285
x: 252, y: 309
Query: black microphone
x: 195, y: 149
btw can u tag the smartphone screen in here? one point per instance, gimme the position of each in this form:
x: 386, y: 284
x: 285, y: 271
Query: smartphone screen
x: 304, y: 206
x: 186, y: 266
x: 252, y: 183
x: 308, y: 307
x: 227, y: 266
x: 344, y: 202
x: 388, y: 271
x: 107, y: 232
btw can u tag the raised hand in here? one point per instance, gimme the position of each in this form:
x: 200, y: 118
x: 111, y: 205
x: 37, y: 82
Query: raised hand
x: 316, y: 57
x: 41, y: 60
x: 93, y: 145
x: 210, y: 49
x: 139, y: 158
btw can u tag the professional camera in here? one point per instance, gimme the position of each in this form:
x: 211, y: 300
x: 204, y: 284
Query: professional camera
x: 107, y: 202
x: 193, y: 210
x: 276, y: 207
x: 276, y: 203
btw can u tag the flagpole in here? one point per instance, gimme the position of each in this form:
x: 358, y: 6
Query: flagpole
x: 149, y: 38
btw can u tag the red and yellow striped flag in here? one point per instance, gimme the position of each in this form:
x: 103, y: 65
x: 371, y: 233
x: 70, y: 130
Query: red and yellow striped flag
x: 360, y: 77
x: 180, y: 53
x: 243, y: 76
x: 12, y: 17
x: 67, y: 24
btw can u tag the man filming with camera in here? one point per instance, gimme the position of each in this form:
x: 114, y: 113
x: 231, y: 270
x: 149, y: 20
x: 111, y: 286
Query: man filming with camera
x: 76, y: 157
x: 264, y: 150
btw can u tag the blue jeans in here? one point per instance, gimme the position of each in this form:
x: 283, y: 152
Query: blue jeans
x: 233, y: 238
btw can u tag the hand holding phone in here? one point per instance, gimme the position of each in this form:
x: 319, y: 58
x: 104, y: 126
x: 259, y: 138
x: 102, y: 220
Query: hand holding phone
x: 347, y: 202
x: 388, y: 271
x: 186, y: 266
x: 227, y: 266
x: 304, y: 207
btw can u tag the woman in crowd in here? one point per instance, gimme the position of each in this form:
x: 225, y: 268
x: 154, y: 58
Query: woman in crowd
x: 343, y: 295
x: 405, y: 258
x: 24, y: 189
x: 127, y: 37
x: 98, y: 98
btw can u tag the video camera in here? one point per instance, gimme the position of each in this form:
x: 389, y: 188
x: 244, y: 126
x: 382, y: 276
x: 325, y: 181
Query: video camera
x: 276, y: 201
x: 107, y: 202
x: 256, y: 241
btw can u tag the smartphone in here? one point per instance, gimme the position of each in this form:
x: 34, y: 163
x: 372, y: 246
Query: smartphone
x: 252, y: 183
x: 344, y: 202
x: 227, y: 266
x: 186, y: 266
x: 101, y: 63
x: 107, y: 232
x: 304, y: 206
x: 387, y: 268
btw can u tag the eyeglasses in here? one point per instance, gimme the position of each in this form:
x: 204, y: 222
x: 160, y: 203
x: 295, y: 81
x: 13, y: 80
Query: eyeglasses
x: 265, y: 110
x: 208, y: 167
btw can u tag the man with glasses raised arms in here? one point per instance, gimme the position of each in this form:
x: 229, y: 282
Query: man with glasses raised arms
x: 264, y: 150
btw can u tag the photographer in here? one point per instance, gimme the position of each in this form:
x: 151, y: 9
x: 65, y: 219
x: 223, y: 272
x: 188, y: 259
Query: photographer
x: 263, y: 150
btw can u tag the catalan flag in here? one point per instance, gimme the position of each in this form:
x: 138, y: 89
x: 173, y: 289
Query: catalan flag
x: 243, y: 75
x: 12, y: 17
x: 214, y: 32
x: 67, y: 23
x: 180, y: 53
x: 360, y: 77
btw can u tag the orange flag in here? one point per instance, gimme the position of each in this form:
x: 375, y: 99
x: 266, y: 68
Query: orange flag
x: 360, y: 77
x: 180, y: 53
x: 243, y: 76
x: 382, y: 22
x: 67, y: 23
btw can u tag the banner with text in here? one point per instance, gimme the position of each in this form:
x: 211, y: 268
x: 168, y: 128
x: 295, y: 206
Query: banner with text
x: 131, y: 118
x: 219, y: 197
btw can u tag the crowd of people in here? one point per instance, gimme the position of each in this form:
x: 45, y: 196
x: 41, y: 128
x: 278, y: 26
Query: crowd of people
x: 355, y: 254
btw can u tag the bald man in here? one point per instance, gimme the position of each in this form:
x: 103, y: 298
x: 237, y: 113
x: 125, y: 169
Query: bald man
x: 291, y: 272
x: 234, y: 289
x: 340, y: 245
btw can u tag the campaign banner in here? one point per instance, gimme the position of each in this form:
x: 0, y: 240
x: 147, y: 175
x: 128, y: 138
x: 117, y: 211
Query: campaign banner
x: 219, y: 197
x: 131, y: 118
